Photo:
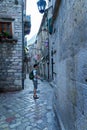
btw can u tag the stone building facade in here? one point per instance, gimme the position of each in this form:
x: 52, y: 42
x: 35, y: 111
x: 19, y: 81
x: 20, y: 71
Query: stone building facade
x: 68, y: 43
x: 11, y: 47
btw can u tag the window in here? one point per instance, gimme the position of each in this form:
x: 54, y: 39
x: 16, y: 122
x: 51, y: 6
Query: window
x: 7, y: 30
x: 6, y: 27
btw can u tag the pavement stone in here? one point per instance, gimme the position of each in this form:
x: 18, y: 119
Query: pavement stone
x: 19, y: 111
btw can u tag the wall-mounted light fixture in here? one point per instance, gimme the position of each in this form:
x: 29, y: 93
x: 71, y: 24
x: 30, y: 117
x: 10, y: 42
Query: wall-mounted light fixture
x: 41, y: 6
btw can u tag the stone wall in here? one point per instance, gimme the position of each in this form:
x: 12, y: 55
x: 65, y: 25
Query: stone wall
x: 70, y: 39
x: 10, y: 51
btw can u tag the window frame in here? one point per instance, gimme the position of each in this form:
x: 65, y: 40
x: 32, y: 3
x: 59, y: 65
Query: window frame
x: 12, y: 25
x: 6, y: 27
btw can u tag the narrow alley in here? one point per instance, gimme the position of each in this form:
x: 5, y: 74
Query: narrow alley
x: 19, y: 111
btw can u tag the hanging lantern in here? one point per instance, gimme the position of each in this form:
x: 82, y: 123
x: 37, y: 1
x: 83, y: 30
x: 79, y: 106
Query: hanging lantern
x: 41, y: 6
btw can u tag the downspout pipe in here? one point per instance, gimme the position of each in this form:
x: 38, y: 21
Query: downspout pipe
x: 22, y: 46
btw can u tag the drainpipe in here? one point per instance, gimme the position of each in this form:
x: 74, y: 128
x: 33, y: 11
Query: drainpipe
x: 22, y: 46
x: 48, y: 56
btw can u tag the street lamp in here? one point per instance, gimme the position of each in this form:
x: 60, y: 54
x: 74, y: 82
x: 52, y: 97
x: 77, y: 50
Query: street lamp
x: 41, y: 6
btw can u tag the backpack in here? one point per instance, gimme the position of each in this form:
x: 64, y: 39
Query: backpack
x: 31, y: 75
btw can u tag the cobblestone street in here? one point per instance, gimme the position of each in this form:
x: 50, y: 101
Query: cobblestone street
x: 19, y: 111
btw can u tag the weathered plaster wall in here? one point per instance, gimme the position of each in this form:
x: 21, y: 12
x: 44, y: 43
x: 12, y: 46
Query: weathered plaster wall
x: 70, y: 38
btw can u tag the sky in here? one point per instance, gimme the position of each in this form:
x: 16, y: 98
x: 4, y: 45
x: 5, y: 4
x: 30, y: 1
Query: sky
x: 36, y: 17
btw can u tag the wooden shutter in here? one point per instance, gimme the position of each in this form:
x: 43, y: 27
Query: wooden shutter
x: 6, y: 27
